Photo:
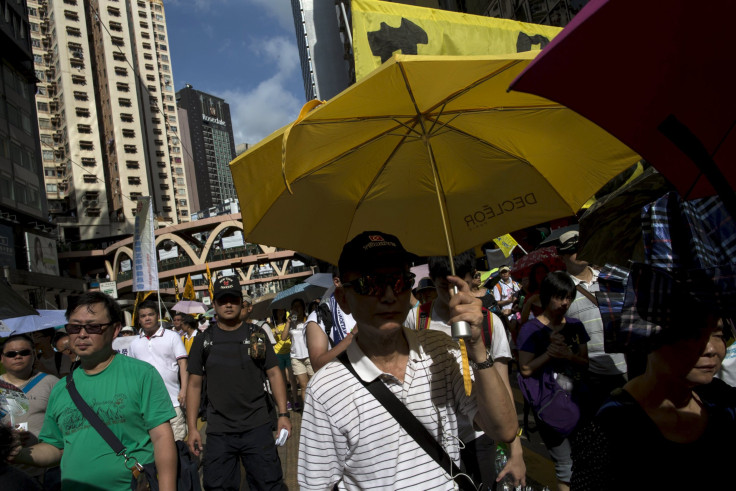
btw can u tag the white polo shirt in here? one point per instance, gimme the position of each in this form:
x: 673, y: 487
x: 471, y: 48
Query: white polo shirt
x: 348, y: 436
x: 163, y: 350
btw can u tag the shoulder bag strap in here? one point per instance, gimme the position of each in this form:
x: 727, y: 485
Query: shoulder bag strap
x: 406, y: 419
x: 94, y: 420
x: 488, y: 325
x: 586, y: 294
x: 30, y: 385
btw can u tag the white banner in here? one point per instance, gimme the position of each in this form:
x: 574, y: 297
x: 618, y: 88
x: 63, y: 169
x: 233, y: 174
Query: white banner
x: 42, y: 254
x: 145, y: 267
x: 109, y: 288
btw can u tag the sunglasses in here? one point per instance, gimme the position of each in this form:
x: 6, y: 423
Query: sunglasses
x: 90, y: 328
x: 375, y: 285
x: 13, y: 354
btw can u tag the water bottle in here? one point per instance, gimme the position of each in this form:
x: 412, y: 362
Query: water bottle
x: 502, y: 456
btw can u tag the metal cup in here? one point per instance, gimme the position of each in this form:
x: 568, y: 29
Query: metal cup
x: 460, y: 330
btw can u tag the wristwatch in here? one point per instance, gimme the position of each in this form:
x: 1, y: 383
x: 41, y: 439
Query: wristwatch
x: 287, y: 415
x: 480, y: 366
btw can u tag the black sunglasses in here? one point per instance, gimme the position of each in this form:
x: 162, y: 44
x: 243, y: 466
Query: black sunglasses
x: 375, y: 285
x: 89, y: 328
x: 13, y: 354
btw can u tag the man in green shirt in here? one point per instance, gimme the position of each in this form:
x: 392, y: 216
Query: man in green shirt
x: 128, y: 395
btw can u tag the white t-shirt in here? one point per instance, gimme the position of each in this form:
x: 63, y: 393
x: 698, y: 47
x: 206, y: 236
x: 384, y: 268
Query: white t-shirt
x: 500, y: 351
x: 163, y: 350
x: 299, y: 341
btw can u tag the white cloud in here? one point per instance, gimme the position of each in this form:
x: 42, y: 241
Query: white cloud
x: 280, y: 9
x: 258, y: 111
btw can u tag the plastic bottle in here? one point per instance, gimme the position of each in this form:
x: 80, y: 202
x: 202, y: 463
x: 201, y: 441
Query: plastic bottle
x: 502, y: 456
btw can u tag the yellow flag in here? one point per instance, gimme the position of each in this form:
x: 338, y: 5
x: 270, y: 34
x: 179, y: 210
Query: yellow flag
x: 189, y: 289
x: 176, y: 289
x: 210, y: 287
x: 506, y: 243
x: 381, y: 29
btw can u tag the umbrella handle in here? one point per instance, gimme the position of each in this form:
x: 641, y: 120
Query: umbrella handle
x: 461, y: 329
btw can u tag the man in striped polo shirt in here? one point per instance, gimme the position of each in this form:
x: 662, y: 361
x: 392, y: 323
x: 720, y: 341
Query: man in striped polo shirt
x: 347, y: 436
x: 606, y: 371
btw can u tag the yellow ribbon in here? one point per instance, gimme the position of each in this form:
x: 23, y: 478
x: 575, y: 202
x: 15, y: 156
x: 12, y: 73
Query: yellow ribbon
x: 466, y: 368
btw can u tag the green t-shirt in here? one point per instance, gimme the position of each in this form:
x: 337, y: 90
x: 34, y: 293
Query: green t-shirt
x: 130, y: 397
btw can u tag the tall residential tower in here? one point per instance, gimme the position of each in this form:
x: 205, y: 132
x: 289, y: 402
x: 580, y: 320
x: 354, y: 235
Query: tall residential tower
x: 107, y: 114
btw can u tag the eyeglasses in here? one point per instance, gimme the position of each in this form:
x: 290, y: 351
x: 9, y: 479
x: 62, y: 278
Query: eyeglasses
x: 13, y: 354
x: 90, y: 328
x: 375, y: 285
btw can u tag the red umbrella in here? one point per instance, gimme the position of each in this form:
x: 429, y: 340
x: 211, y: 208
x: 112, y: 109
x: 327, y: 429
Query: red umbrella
x: 657, y: 75
x: 546, y: 255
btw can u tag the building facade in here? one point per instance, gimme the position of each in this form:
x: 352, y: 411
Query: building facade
x: 106, y: 114
x: 212, y: 144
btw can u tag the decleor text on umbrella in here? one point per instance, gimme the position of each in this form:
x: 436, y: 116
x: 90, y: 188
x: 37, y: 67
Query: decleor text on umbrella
x: 479, y: 217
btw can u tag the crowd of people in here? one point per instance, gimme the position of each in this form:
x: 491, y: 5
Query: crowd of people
x: 353, y: 363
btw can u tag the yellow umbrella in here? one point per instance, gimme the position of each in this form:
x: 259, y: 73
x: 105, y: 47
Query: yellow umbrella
x: 432, y: 149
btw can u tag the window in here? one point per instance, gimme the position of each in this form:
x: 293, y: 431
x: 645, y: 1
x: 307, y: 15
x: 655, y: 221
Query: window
x: 84, y: 128
x: 151, y: 88
x: 73, y: 31
x: 132, y: 164
x: 165, y: 58
x: 51, y: 188
x: 145, y: 35
x: 123, y: 87
x: 79, y: 80
x: 71, y: 15
x: 49, y: 171
x: 90, y: 178
x: 134, y: 196
x: 82, y: 112
x: 126, y: 117
x: 118, y: 56
x: 119, y: 70
x: 86, y: 145
x: 144, y: 25
x: 150, y: 78
x: 130, y: 148
x: 81, y: 96
x: 36, y: 43
x: 148, y: 56
x: 47, y: 154
x: 44, y: 124
x: 182, y: 202
x: 117, y: 41
x: 158, y: 143
x: 128, y: 133
x: 134, y: 180
x: 115, y: 26
x: 42, y: 107
x: 125, y: 102
x: 88, y: 161
x: 179, y: 181
x: 146, y: 45
x: 115, y: 12
x: 165, y: 197
x: 162, y: 47
x: 149, y: 66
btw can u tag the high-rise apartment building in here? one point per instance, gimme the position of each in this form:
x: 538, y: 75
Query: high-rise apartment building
x: 106, y: 114
x: 212, y: 144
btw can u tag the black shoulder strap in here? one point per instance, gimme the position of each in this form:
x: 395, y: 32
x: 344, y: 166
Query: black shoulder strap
x: 94, y: 420
x: 406, y: 419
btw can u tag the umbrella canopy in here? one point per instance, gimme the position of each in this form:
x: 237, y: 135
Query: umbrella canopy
x: 13, y: 305
x: 673, y: 101
x: 611, y: 229
x: 261, y: 306
x: 320, y: 279
x: 546, y: 255
x: 189, y: 307
x: 305, y: 291
x: 431, y: 149
x: 31, y: 323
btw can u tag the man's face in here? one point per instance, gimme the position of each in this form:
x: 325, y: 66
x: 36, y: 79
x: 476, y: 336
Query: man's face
x: 505, y: 275
x: 381, y: 313
x: 148, y: 319
x: 86, y: 344
x: 177, y: 321
x: 22, y: 362
x: 228, y: 307
x: 63, y: 345
x: 443, y: 288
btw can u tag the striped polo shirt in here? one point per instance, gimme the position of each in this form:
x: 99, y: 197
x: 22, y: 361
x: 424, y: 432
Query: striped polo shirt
x: 587, y: 312
x: 347, y: 436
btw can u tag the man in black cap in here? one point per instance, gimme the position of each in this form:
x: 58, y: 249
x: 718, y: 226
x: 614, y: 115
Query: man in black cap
x: 236, y: 357
x: 347, y: 434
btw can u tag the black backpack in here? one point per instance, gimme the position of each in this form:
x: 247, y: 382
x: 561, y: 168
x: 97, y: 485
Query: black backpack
x: 324, y: 316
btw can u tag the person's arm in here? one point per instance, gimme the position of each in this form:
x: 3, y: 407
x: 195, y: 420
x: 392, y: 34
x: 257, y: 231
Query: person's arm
x: 319, y: 346
x: 184, y: 375
x: 527, y: 308
x: 194, y: 392
x: 165, y: 455
x: 515, y: 464
x: 39, y: 455
x: 286, y: 334
x: 278, y: 387
x: 528, y: 364
x: 558, y: 349
x: 496, y: 414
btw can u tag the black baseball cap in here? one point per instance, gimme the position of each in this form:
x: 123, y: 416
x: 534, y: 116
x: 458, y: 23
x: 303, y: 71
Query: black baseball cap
x: 371, y: 249
x: 227, y: 285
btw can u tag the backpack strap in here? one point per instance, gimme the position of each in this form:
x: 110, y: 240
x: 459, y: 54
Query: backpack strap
x: 586, y: 294
x: 30, y: 385
x: 424, y: 315
x: 487, y: 330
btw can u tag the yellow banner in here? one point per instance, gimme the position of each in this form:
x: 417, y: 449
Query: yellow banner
x: 176, y: 289
x: 381, y: 29
x: 189, y: 289
x: 210, y: 287
x: 506, y: 243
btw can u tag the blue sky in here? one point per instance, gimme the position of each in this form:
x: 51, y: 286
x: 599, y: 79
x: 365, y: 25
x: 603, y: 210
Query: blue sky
x: 243, y: 51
